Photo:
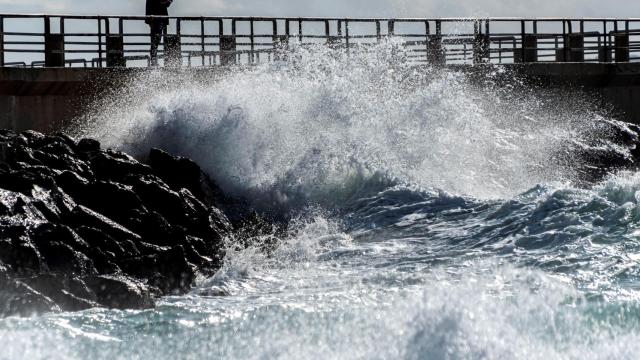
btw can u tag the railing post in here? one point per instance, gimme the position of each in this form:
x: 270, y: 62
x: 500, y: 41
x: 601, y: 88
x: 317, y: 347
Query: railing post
x: 523, y: 33
x: 228, y: 47
x: 202, y: 40
x: 346, y: 34
x: 99, y: 64
x: 436, y: 53
x: 576, y: 47
x: 252, y: 39
x: 529, y: 49
x: 53, y: 46
x: 622, y: 47
x: 481, y: 45
x: 115, y: 51
x: 1, y: 41
x: 391, y: 27
x: 604, y: 50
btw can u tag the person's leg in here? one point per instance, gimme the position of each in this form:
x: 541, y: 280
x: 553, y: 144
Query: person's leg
x: 156, y: 35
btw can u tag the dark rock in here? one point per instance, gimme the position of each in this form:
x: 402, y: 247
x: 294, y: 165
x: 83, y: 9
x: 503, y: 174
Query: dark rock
x: 81, y: 227
x: 159, y: 197
x: 62, y: 162
x: 32, y: 138
x: 49, y: 232
x: 180, y: 172
x: 23, y: 180
x: 88, y: 146
x: 21, y: 255
x: 62, y: 258
x: 153, y: 228
x: 101, y: 240
x: 58, y: 148
x: 62, y: 138
x: 15, y: 154
x: 116, y: 166
x: 111, y: 199
x: 73, y: 184
x: 18, y: 299
x: 82, y: 216
x: 70, y: 294
x: 168, y: 270
x: 119, y: 292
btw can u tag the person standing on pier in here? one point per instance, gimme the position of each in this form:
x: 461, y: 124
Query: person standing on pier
x: 158, y: 27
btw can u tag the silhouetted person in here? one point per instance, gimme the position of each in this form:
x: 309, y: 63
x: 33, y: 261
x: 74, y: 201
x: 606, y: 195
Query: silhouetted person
x: 158, y: 26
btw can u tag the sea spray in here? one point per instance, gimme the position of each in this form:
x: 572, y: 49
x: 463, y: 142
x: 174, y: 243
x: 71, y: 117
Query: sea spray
x: 309, y: 129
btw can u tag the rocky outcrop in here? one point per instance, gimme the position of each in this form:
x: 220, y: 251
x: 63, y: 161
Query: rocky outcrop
x: 82, y: 227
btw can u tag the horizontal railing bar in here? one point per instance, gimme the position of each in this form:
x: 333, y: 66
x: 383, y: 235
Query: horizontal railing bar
x: 355, y: 19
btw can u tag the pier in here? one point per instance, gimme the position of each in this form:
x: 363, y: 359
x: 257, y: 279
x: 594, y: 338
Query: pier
x: 51, y: 64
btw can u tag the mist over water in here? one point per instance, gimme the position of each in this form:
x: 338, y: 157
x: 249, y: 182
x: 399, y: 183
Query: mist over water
x: 433, y: 214
x: 328, y: 121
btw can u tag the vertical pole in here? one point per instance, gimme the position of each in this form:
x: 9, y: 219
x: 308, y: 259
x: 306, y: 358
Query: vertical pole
x: 227, y: 49
x: 378, y: 31
x: 530, y: 46
x: 300, y: 37
x: 287, y: 29
x: 622, y: 47
x: 346, y: 29
x: 251, y: 38
x: 203, y: 48
x: 327, y: 30
x: 115, y: 51
x: 99, y: 42
x: 1, y: 41
x: 565, y: 46
x: 53, y: 46
x: 47, y: 25
x: 481, y: 53
x: 523, y: 34
x: 392, y: 27
x: 233, y: 40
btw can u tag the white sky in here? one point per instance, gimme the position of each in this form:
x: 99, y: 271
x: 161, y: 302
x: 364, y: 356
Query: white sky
x: 354, y: 8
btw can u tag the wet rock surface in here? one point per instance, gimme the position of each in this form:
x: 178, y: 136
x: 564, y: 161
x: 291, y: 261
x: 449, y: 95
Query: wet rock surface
x: 82, y: 227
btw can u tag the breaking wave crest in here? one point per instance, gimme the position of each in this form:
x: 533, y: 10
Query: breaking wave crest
x: 327, y: 126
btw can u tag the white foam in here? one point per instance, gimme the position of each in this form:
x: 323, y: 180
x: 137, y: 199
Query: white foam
x: 317, y: 128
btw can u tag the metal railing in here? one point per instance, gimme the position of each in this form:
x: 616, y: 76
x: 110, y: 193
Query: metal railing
x: 118, y: 41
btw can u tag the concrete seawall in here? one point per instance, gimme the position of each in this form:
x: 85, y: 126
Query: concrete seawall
x: 45, y: 99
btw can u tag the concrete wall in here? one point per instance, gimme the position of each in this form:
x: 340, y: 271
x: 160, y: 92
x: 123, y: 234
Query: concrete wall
x: 47, y: 99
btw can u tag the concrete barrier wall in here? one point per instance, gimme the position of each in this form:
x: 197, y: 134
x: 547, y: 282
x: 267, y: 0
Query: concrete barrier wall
x: 47, y: 99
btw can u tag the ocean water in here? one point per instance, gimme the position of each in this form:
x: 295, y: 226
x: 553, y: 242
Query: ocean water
x: 429, y: 217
